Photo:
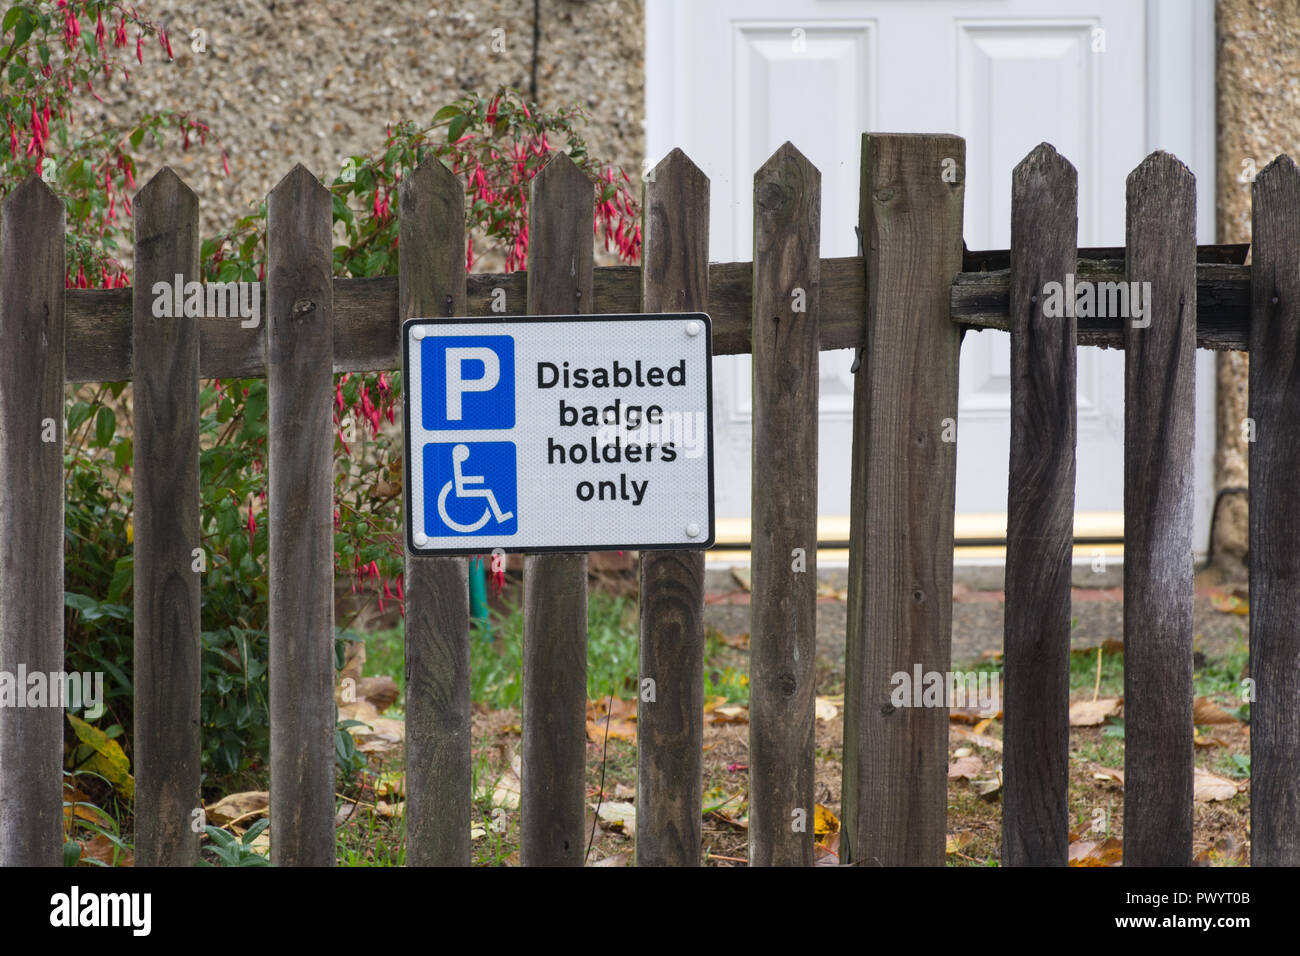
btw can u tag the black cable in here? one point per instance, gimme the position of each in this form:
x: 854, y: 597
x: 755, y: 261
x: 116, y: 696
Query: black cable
x: 537, y: 42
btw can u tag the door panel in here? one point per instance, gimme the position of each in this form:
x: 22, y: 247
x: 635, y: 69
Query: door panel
x: 730, y: 80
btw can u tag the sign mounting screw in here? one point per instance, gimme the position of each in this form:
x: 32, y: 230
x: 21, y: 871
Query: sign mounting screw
x: 421, y: 539
x: 692, y: 530
x: 418, y: 332
x: 692, y: 328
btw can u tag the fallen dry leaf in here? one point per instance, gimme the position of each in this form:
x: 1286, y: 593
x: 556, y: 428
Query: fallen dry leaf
x: 238, y: 805
x: 824, y: 709
x: 1208, y: 787
x: 618, y: 815
x: 824, y: 822
x: 738, y: 641
x: 619, y: 858
x: 1227, y: 851
x: 729, y: 714
x: 1206, y: 711
x: 375, y: 734
x: 979, y: 740
x: 967, y: 767
x: 506, y: 793
x: 101, y: 848
x: 957, y: 842
x: 1093, y: 713
x: 382, y: 692
x: 1230, y: 604
x: 1108, y: 852
x: 621, y: 716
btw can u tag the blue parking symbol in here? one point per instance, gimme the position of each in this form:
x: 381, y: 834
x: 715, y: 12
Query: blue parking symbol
x: 468, y: 381
x: 470, y: 488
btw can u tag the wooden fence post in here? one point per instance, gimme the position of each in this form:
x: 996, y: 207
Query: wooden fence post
x: 168, y: 549
x: 670, y: 731
x: 1275, y: 516
x: 1159, y: 394
x: 31, y: 519
x: 904, y: 487
x: 1040, y: 514
x: 438, y: 738
x: 554, y: 782
x: 300, y: 497
x: 783, y: 634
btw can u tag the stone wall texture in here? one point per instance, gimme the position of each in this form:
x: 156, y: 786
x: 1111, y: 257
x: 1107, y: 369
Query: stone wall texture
x: 314, y: 81
x: 1258, y: 116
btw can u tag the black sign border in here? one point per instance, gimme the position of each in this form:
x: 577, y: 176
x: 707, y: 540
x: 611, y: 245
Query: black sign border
x: 411, y: 548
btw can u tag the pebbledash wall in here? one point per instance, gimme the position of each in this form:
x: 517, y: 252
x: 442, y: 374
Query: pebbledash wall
x: 1258, y: 115
x: 319, y: 81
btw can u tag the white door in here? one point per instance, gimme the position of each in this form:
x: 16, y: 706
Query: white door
x: 1105, y: 81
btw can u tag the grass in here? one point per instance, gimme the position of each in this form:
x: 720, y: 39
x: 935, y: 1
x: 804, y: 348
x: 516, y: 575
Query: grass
x: 496, y: 656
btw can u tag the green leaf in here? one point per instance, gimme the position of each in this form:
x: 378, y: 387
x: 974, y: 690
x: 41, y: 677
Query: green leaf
x: 457, y: 127
x: 71, y: 849
x: 77, y: 415
x: 23, y: 29
x: 447, y: 112
x: 251, y: 833
x: 105, y: 426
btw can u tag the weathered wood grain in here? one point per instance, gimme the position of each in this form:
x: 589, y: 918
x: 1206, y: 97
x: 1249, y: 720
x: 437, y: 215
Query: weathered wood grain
x: 438, y: 737
x: 670, y: 728
x: 366, y: 314
x: 904, y: 481
x: 166, y: 484
x: 787, y: 299
x: 31, y: 519
x: 980, y: 301
x: 1159, y: 409
x: 1275, y: 517
x: 554, y: 784
x: 300, y: 503
x: 1040, y: 516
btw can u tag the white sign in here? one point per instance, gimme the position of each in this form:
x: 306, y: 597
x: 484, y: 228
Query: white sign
x: 564, y: 433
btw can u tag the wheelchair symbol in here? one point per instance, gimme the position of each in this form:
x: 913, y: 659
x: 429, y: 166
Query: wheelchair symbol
x: 462, y: 484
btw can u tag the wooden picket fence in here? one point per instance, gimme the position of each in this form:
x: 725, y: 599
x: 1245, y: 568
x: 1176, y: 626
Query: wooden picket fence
x: 905, y: 302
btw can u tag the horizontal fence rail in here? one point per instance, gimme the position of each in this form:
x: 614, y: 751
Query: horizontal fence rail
x: 366, y: 312
x: 905, y: 303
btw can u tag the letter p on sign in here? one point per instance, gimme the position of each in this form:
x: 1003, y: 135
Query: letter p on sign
x: 457, y: 384
x: 469, y: 382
